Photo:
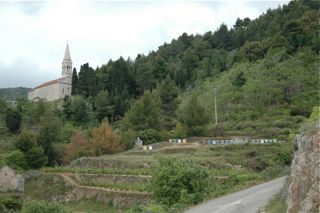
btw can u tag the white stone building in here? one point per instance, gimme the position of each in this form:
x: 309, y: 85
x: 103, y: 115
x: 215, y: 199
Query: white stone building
x: 58, y: 88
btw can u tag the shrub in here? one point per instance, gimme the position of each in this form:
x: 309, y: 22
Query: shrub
x: 258, y: 164
x: 35, y: 158
x: 284, y: 158
x: 43, y: 207
x: 78, y: 146
x: 272, y: 171
x: 13, y: 120
x: 149, y: 136
x: 179, y: 181
x: 179, y: 131
x: 128, y: 138
x: 105, y: 140
x: 10, y: 203
x: 34, y: 155
x: 16, y: 160
x: 25, y: 141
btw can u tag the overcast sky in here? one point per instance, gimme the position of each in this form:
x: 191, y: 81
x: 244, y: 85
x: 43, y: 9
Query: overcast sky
x: 33, y: 35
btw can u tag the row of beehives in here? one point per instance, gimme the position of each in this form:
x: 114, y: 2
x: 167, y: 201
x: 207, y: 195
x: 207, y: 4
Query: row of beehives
x: 147, y: 147
x: 178, y: 140
x: 234, y: 141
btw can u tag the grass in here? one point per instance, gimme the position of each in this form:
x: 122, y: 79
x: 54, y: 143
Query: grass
x: 121, y: 186
x: 44, y: 187
x: 91, y: 206
x: 276, y: 205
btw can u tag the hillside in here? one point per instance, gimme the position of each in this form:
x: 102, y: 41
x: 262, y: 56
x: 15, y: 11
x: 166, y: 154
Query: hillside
x: 11, y: 94
x: 255, y: 80
x: 264, y: 72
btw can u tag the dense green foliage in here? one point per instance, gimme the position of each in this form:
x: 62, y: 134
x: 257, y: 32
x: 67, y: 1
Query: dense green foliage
x: 10, y: 203
x: 264, y: 71
x: 178, y: 181
x: 13, y: 120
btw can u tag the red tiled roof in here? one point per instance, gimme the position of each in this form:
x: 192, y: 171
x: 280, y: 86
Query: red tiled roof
x: 48, y: 83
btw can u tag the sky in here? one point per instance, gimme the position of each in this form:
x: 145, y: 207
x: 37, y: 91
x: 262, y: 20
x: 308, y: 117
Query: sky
x: 34, y: 34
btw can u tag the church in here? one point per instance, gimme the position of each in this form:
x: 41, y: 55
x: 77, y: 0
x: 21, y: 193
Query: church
x: 58, y: 88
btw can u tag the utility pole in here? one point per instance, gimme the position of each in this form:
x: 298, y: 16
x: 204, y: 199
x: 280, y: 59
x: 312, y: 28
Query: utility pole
x: 215, y: 106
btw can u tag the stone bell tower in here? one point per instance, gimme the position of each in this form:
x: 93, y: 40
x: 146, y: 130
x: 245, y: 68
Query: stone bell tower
x: 67, y: 64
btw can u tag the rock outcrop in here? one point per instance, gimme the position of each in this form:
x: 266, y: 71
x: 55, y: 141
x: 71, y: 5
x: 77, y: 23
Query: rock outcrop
x: 303, y: 195
x: 10, y: 181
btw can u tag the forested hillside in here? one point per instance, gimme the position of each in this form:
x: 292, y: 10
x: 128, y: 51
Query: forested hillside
x: 264, y: 70
x: 11, y: 94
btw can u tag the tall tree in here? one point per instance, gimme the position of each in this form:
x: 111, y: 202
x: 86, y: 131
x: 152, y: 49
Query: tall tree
x: 168, y: 93
x: 74, y: 83
x: 194, y: 117
x: 103, y: 106
x: 49, y: 134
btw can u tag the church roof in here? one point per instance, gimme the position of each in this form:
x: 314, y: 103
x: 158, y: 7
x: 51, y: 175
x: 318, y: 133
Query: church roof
x: 67, y: 53
x: 48, y: 83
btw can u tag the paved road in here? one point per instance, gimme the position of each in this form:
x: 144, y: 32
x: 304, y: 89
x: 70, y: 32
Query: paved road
x: 250, y: 200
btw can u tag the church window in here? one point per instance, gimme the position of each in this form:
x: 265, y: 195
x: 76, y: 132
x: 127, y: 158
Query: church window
x: 62, y: 90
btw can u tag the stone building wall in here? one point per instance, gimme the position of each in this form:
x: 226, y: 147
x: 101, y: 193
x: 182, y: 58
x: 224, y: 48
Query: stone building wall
x: 10, y: 181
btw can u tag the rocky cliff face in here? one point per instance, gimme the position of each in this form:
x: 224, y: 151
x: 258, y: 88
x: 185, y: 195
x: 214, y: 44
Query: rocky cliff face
x: 303, y: 195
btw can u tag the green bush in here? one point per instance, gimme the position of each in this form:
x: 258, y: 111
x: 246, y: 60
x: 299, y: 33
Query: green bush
x: 285, y: 157
x: 43, y: 207
x: 35, y: 158
x: 13, y: 120
x: 10, y: 203
x: 16, y: 160
x: 179, y: 181
x: 150, y: 136
x: 127, y: 138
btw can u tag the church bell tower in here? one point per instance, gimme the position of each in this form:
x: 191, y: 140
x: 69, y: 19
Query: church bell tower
x: 67, y: 64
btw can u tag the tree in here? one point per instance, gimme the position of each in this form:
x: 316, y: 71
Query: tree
x: 103, y: 106
x: 179, y: 181
x: 49, y: 134
x: 74, y: 83
x: 15, y: 159
x: 189, y: 62
x: 3, y: 106
x: 194, y: 117
x: 66, y: 107
x: 35, y: 157
x: 79, y: 146
x: 144, y: 114
x: 168, y: 93
x: 13, y: 120
x: 87, y: 81
x: 33, y: 154
x: 105, y: 140
x: 79, y: 110
x: 25, y: 141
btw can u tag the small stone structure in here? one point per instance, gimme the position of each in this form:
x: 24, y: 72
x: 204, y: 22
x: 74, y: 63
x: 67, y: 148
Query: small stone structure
x: 10, y: 181
x: 138, y: 143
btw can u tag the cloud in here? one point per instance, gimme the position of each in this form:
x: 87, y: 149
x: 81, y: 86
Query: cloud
x: 36, y: 33
x: 22, y: 72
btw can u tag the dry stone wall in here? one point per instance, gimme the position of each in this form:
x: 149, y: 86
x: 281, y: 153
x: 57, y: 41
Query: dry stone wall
x: 303, y: 194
